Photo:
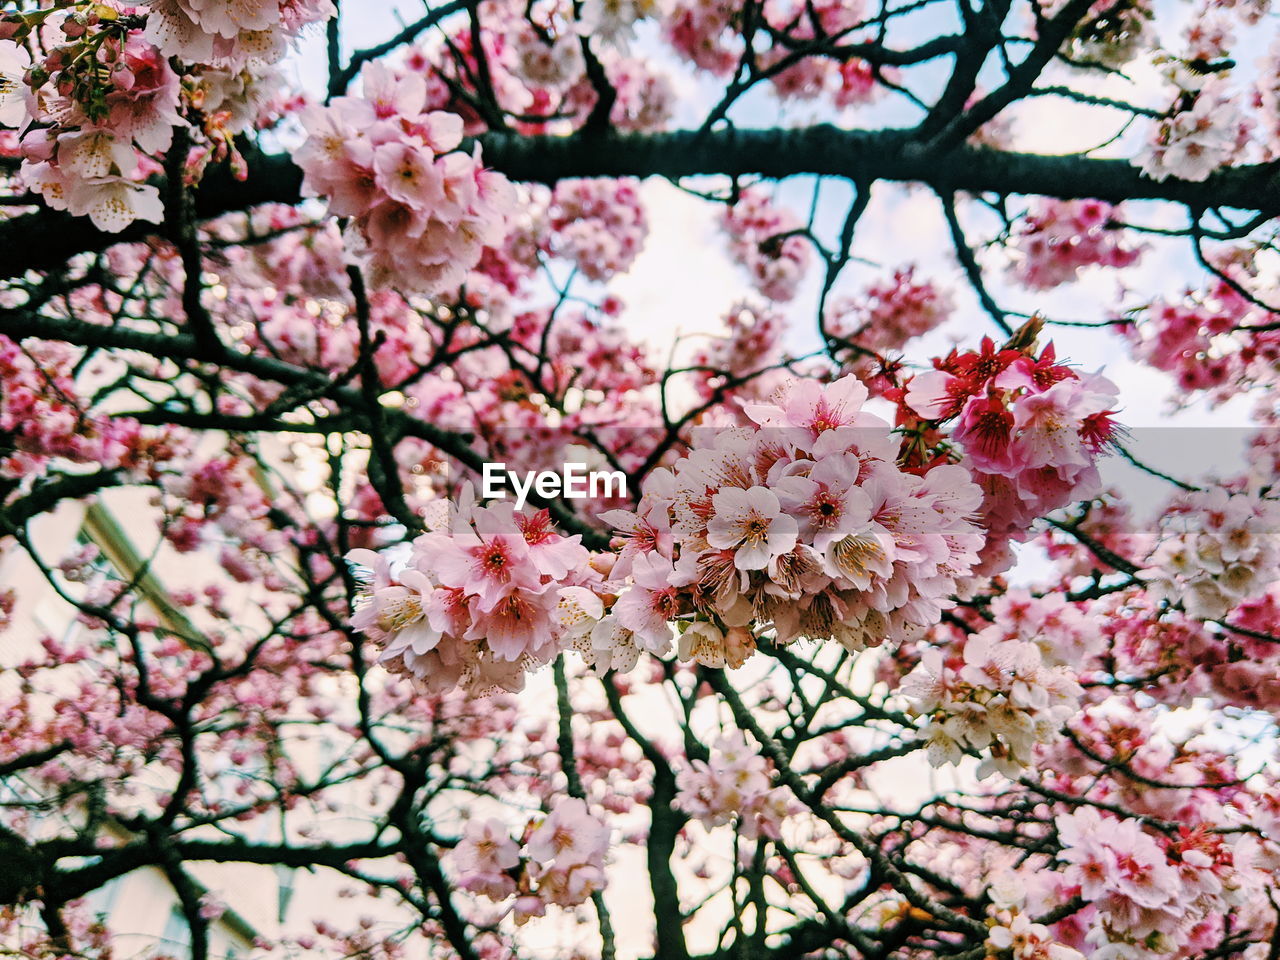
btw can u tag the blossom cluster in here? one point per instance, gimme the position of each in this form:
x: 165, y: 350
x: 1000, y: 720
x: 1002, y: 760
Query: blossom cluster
x: 230, y: 34
x: 543, y: 58
x: 1025, y: 939
x: 614, y: 21
x: 1012, y: 928
x: 801, y: 523
x: 1207, y: 133
x: 646, y: 96
x: 750, y: 346
x: 562, y: 862
x: 848, y: 81
x: 702, y: 33
x: 421, y: 209
x: 1181, y: 658
x: 1205, y: 128
x: 1218, y: 550
x: 43, y: 417
x: 112, y: 118
x: 598, y: 225
x: 1031, y: 430
x: 1107, y: 522
x: 762, y: 239
x: 1194, y: 339
x: 995, y: 695
x: 1064, y: 633
x: 221, y: 501
x: 481, y: 602
x: 98, y: 108
x: 733, y: 785
x: 1268, y: 99
x: 1243, y: 672
x: 890, y: 312
x: 1059, y: 237
x: 535, y: 70
x: 1150, y: 894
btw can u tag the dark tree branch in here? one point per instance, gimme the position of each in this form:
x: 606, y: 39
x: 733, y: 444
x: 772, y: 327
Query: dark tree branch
x: 338, y: 82
x: 46, y: 239
x: 18, y: 323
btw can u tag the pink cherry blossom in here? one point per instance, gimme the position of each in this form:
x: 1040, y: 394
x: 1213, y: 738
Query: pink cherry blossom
x: 751, y: 523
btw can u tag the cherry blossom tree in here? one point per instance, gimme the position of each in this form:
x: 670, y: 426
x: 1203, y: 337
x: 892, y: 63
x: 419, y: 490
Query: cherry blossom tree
x: 867, y: 659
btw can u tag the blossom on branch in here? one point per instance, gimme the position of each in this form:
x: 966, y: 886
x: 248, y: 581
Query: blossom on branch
x: 421, y: 210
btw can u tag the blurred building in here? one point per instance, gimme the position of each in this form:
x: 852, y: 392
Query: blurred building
x: 141, y: 907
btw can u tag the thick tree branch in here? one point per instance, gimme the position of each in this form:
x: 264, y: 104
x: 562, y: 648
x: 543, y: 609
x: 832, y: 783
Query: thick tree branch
x: 46, y: 239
